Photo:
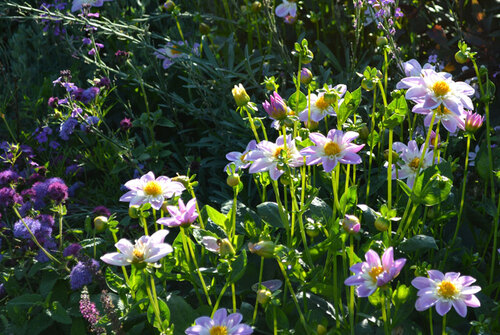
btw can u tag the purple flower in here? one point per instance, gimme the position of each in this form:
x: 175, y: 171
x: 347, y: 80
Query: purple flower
x: 374, y: 273
x: 449, y: 119
x: 73, y: 188
x: 183, y: 216
x: 20, y: 230
x: 444, y: 291
x: 72, y: 250
x: 86, y: 41
x: 276, y: 108
x: 54, y: 145
x: 57, y: 191
x: 147, y: 249
x: 220, y: 324
x: 268, y: 155
x: 8, y: 176
x: 104, y: 82
x: 82, y: 274
x: 170, y: 52
x: 67, y: 128
x: 8, y: 197
x: 286, y: 8
x: 473, y: 121
x: 149, y: 189
x: 90, y: 121
x: 53, y: 102
x: 87, y: 95
x: 238, y: 159
x: 78, y: 4
x: 410, y: 156
x: 101, y: 210
x: 334, y: 148
x: 90, y: 313
x: 125, y: 124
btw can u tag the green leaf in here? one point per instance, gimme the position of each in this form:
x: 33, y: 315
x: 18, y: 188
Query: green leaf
x: 114, y: 282
x: 329, y: 54
x: 60, y: 314
x: 183, y: 316
x: 320, y: 209
x: 217, y: 217
x: 292, y: 102
x: 26, y: 300
x: 238, y: 267
x: 348, y: 200
x: 436, y: 190
x: 418, y: 242
x: 164, y: 315
x: 47, y: 282
x: 404, y: 187
x: 281, y: 318
x: 269, y: 212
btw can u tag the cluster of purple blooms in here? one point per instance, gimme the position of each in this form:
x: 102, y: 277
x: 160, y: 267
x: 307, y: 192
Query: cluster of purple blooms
x: 381, y: 11
x: 49, y: 21
x: 83, y: 273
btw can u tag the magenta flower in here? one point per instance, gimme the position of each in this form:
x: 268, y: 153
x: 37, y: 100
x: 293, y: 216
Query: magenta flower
x: 221, y: 324
x: 412, y: 68
x: 473, y: 121
x: 374, y: 273
x: 445, y: 291
x: 276, y: 107
x: 239, y: 159
x: 184, y: 215
x: 147, y: 249
x: 335, y: 147
x: 149, y: 189
x: 287, y: 8
x: 431, y: 89
x: 269, y: 156
x: 449, y: 119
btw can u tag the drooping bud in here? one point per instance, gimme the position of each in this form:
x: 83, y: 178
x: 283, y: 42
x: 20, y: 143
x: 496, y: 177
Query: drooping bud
x: 263, y: 248
x: 381, y: 41
x: 364, y: 132
x: 204, y: 28
x: 461, y: 58
x: 240, y: 95
x: 263, y: 296
x: 305, y: 76
x: 226, y: 248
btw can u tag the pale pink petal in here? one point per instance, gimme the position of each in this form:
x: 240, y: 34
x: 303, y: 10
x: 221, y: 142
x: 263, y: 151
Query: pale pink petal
x: 115, y: 258
x: 443, y: 307
x: 425, y: 302
x: 460, y: 307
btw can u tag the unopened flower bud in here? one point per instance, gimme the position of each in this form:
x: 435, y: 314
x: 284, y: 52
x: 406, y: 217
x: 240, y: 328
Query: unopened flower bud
x: 184, y: 180
x: 204, y: 28
x: 381, y: 41
x: 382, y: 224
x: 308, y: 58
x: 367, y: 84
x: 473, y: 122
x: 263, y: 296
x: 432, y: 140
x: 276, y: 108
x: 330, y: 98
x: 395, y: 155
x: 169, y: 5
x: 133, y: 211
x: 312, y: 231
x: 263, y: 248
x: 233, y: 180
x: 100, y: 223
x: 321, y: 330
x: 461, y: 58
x: 240, y: 95
x: 305, y: 76
x: 351, y: 224
x: 364, y: 132
x: 256, y: 6
x: 226, y: 248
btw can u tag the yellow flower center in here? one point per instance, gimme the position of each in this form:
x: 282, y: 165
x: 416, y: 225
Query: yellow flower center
x: 321, y: 103
x: 331, y: 148
x: 175, y: 50
x: 242, y: 157
x: 277, y: 151
x: 442, y: 111
x: 138, y: 254
x: 218, y: 330
x: 375, y: 271
x: 440, y: 87
x: 447, y: 289
x: 414, y: 163
x: 153, y: 188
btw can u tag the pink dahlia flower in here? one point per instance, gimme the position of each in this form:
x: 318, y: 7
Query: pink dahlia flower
x: 184, y: 215
x: 221, y: 324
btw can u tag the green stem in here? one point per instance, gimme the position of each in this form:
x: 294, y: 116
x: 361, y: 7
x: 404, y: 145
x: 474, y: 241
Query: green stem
x: 252, y: 125
x: 233, y: 216
x: 282, y: 214
x: 193, y: 257
x: 384, y: 315
x: 145, y: 224
x: 258, y: 288
x: 389, y: 172
x: 59, y: 212
x: 431, y: 328
x: 200, y: 219
x: 179, y: 28
x: 495, y: 239
x: 233, y: 293
x: 371, y: 143
x: 443, y: 332
x: 351, y: 288
x: 2, y: 115
x: 154, y: 303
x: 217, y: 302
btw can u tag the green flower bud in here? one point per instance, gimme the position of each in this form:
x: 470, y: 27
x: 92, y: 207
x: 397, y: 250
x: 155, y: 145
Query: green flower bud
x: 382, y: 224
x: 133, y: 211
x: 367, y: 84
x: 381, y: 41
x: 226, y: 248
x: 263, y: 296
x: 240, y: 95
x: 364, y: 132
x: 263, y: 248
x: 100, y: 223
x: 169, y: 6
x: 256, y: 6
x: 461, y: 58
x: 233, y: 180
x: 204, y: 28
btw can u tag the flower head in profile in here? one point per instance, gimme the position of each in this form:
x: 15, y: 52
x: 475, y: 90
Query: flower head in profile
x: 287, y: 8
x: 239, y: 159
x: 147, y: 249
x: 78, y: 4
x: 221, y: 324
x: 171, y: 51
x: 374, y: 273
x: 276, y: 107
x: 432, y: 89
x: 184, y: 215
x: 410, y: 160
x: 219, y: 246
x: 240, y: 95
x: 149, y: 189
x: 444, y: 291
x: 334, y: 148
x: 269, y: 156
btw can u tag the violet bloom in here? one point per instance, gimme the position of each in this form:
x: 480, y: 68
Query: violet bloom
x: 149, y: 189
x: 276, y: 107
x: 319, y: 107
x: 125, y: 124
x: 410, y: 156
x: 334, y: 148
x: 473, y: 122
x: 183, y: 216
x: 221, y: 324
x: 147, y: 249
x: 450, y: 120
x: 444, y: 291
x: 269, y: 156
x: 374, y: 273
x: 432, y: 89
x: 287, y: 8
x: 170, y: 52
x: 78, y: 4
x: 238, y: 159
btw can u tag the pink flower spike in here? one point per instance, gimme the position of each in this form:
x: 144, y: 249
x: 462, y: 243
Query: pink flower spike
x: 446, y: 291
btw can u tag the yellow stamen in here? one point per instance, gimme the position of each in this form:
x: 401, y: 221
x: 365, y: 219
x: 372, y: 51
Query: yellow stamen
x: 277, y: 152
x: 442, y: 111
x: 138, y: 254
x: 331, y: 148
x: 375, y: 271
x: 174, y: 50
x: 447, y: 289
x: 321, y: 103
x: 414, y: 163
x: 441, y: 88
x: 242, y: 157
x: 153, y: 188
x: 218, y: 330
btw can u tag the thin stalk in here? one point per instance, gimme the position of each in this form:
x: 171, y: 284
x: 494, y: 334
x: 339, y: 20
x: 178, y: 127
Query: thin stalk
x: 154, y: 303
x: 233, y: 293
x: 430, y: 322
x: 252, y: 125
x: 200, y: 219
x: 384, y: 315
x: 145, y: 224
x: 233, y: 216
x: 351, y: 288
x: 217, y: 302
x: 389, y: 171
x: 294, y: 297
x: 59, y: 212
x: 193, y: 257
x: 2, y: 115
x: 281, y: 212
x: 371, y: 142
x: 258, y: 288
x: 275, y: 321
x: 180, y: 29
x: 443, y: 332
x: 335, y: 190
x: 495, y: 239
